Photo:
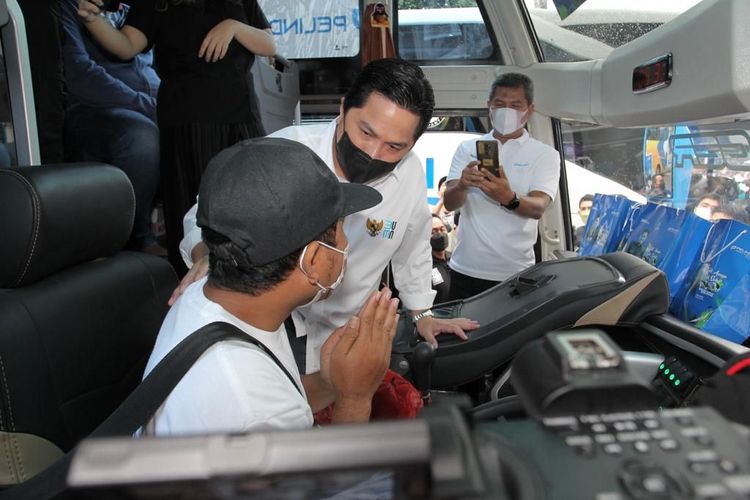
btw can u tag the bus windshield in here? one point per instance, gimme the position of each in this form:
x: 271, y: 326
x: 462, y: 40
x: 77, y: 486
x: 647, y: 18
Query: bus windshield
x: 610, y: 22
x: 695, y: 161
x: 674, y: 164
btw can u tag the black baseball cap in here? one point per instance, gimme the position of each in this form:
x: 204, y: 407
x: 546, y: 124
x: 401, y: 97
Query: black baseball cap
x: 272, y: 196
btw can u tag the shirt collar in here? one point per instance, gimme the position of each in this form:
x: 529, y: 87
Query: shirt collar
x: 523, y: 139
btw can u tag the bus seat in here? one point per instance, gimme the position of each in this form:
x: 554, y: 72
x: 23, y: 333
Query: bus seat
x: 78, y: 317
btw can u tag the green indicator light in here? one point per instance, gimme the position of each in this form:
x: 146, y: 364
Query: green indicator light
x: 677, y: 382
x: 661, y: 366
x: 671, y: 377
x: 666, y: 372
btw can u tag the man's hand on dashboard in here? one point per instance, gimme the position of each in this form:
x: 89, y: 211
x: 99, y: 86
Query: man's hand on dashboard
x: 429, y: 327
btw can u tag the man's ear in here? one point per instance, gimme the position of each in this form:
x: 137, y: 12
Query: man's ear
x: 311, y: 262
x: 529, y: 112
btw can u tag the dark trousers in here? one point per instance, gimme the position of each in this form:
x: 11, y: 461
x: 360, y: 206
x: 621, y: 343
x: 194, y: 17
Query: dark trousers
x: 125, y: 139
x: 463, y: 286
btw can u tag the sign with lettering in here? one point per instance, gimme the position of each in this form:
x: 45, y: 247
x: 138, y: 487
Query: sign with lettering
x: 314, y: 29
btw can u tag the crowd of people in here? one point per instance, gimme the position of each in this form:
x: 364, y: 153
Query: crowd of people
x: 717, y: 197
x: 291, y: 233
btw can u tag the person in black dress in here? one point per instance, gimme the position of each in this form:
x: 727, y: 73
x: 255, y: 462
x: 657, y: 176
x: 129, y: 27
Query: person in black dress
x: 204, y: 50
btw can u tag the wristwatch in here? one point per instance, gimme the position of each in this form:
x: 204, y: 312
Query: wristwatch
x: 512, y: 204
x: 421, y: 315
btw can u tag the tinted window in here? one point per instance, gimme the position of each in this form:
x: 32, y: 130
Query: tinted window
x: 453, y: 30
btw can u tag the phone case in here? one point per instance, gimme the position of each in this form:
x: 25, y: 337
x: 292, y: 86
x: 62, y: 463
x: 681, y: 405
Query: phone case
x: 488, y: 157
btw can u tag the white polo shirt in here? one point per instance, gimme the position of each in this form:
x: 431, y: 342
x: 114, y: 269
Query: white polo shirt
x: 396, y: 230
x: 234, y: 386
x: 494, y: 243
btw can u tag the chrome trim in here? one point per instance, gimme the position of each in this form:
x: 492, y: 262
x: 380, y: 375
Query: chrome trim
x: 20, y: 87
x: 499, y: 384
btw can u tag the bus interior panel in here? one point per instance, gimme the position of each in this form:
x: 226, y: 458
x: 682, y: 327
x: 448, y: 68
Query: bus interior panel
x: 636, y: 99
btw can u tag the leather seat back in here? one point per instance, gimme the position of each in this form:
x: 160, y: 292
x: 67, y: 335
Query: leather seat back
x: 78, y: 317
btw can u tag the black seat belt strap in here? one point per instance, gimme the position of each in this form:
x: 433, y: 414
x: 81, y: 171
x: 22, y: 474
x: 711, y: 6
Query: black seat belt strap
x: 141, y: 404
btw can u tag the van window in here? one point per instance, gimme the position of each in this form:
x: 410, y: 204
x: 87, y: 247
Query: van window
x: 454, y: 32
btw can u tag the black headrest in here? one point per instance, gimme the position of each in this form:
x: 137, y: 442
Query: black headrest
x: 56, y: 216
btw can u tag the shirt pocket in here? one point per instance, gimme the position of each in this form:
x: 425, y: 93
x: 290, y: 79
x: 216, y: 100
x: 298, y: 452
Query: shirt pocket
x: 519, y: 176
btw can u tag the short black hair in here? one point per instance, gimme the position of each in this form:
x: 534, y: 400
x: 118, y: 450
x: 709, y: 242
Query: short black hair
x: 442, y: 181
x: 586, y: 197
x: 446, y: 225
x: 514, y: 81
x: 399, y: 81
x: 231, y: 269
x: 729, y: 209
x: 711, y: 196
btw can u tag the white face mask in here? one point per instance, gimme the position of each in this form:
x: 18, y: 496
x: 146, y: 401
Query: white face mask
x: 703, y: 212
x: 324, y: 290
x: 507, y: 120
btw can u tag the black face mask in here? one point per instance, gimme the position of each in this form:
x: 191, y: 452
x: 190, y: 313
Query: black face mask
x: 439, y: 242
x: 357, y: 165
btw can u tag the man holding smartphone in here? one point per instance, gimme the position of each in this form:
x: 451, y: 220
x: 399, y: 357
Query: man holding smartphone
x: 499, y: 211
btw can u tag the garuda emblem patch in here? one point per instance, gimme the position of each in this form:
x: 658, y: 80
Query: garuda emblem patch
x: 374, y: 227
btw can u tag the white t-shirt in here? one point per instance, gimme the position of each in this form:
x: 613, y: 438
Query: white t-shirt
x: 494, y: 243
x: 396, y: 230
x: 234, y: 386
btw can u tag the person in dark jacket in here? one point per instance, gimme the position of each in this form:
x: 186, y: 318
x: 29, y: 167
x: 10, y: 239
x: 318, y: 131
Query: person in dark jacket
x: 111, y: 113
x: 204, y: 50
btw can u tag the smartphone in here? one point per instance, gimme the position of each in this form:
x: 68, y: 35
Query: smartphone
x: 488, y: 157
x: 110, y: 5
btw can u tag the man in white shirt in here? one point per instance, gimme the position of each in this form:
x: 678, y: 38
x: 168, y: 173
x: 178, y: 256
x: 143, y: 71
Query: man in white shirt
x: 499, y: 213
x: 382, y: 115
x: 271, y: 212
